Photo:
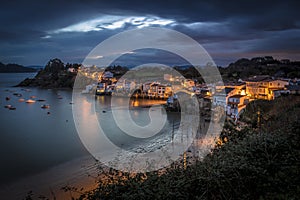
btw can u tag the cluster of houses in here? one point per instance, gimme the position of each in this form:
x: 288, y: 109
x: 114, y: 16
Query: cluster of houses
x: 155, y: 89
x: 232, y: 97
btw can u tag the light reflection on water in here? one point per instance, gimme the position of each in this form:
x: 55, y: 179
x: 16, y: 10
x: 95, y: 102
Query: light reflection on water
x: 33, y: 141
x: 140, y: 116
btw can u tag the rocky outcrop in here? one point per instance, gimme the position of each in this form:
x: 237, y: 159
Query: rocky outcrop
x: 54, y: 75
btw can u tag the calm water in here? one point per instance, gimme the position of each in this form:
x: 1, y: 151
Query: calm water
x: 33, y: 141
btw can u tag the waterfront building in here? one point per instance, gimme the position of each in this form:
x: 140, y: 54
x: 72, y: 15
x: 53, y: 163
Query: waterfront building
x: 263, y: 87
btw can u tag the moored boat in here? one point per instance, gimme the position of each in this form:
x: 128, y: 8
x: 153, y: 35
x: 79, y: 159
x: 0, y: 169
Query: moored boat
x: 30, y: 101
x: 17, y: 94
x: 45, y: 106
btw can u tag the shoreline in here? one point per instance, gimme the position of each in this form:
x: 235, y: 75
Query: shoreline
x: 79, y: 173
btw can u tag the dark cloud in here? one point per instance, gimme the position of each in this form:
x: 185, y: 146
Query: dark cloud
x: 152, y: 57
x: 227, y: 29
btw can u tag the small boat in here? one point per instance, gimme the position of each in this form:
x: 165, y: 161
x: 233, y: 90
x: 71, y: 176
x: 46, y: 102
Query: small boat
x: 7, y: 98
x: 21, y: 100
x: 32, y: 97
x: 30, y: 101
x: 12, y: 108
x: 40, y: 100
x: 7, y: 106
x: 45, y: 106
x: 17, y: 94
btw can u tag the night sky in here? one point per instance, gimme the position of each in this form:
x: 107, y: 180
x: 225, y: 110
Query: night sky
x: 32, y: 32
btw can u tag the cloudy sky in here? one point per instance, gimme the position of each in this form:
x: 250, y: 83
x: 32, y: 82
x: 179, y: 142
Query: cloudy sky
x: 32, y: 32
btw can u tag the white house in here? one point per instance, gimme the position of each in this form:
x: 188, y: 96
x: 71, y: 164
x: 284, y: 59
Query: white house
x: 263, y: 87
x: 71, y: 70
x: 146, y: 87
x: 159, y: 90
x: 220, y: 97
x: 235, y: 105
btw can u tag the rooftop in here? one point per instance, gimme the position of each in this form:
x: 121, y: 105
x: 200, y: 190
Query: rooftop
x: 265, y: 78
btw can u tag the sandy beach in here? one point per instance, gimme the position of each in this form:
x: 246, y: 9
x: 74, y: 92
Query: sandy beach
x: 79, y: 173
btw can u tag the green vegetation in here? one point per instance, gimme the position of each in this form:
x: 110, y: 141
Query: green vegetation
x: 54, y: 75
x: 254, y: 163
x: 244, y: 68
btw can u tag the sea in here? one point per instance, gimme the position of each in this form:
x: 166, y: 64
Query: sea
x: 41, y: 150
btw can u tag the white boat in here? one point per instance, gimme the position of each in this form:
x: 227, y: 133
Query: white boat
x: 30, y: 101
x: 21, y: 100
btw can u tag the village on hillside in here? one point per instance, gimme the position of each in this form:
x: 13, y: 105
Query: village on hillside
x: 233, y: 97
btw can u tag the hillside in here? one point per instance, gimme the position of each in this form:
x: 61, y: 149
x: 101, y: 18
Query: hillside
x: 15, y: 68
x: 54, y: 75
x: 244, y: 68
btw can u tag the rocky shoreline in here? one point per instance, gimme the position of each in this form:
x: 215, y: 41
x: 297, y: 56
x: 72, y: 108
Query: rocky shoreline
x: 54, y: 75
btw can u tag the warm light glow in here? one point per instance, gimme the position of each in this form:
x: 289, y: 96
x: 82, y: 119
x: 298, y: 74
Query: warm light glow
x: 135, y: 103
x: 243, y: 92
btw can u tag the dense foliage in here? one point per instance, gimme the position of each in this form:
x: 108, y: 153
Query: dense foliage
x: 244, y: 68
x: 54, y: 75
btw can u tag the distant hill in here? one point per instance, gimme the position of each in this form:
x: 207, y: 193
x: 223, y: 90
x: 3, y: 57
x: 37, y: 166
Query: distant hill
x: 37, y: 67
x: 244, y: 68
x: 15, y: 68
